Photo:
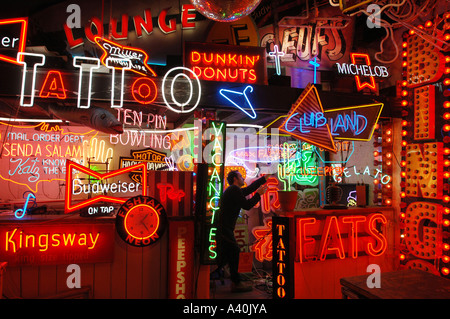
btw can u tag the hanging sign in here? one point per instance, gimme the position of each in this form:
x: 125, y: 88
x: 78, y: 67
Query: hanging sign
x: 141, y: 221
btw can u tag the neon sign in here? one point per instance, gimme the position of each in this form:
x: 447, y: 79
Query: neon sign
x: 277, y: 55
x: 19, y: 213
x: 144, y: 89
x: 99, y: 198
x: 140, y: 24
x: 315, y: 64
x: 141, y: 221
x: 282, y: 259
x: 116, y: 54
x: 29, y: 244
x: 212, y: 62
x: 215, y: 184
x: 10, y: 42
x: 235, y: 96
x: 309, y: 104
x: 331, y: 240
x: 363, y: 70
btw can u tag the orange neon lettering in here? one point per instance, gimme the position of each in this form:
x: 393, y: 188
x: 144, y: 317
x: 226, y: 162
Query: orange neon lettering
x: 354, y: 220
x: 302, y: 239
x: 53, y: 85
x: 331, y: 234
x: 371, y: 228
x: 144, y: 90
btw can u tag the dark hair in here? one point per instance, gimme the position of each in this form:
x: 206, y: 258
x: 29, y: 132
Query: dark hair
x: 231, y: 176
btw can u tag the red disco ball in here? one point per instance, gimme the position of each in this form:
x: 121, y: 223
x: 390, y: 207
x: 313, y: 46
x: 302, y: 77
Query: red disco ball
x: 225, y: 10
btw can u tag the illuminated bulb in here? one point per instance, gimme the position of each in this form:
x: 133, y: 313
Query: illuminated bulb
x: 446, y: 116
x: 404, y: 122
x: 447, y: 37
x: 447, y: 105
x: 446, y: 174
x: 404, y: 143
x: 447, y: 82
x: 388, y: 163
x: 447, y: 70
x: 404, y: 83
x: 389, y: 132
x: 402, y: 194
x: 446, y: 222
x: 447, y: 163
x: 403, y: 163
x: 404, y: 44
x: 447, y: 59
x: 402, y: 215
x: 446, y: 246
x: 388, y: 202
x: 404, y: 133
x: 445, y: 271
x: 446, y: 259
x: 446, y: 127
x: 376, y: 153
x: 403, y: 174
x: 428, y: 24
x: 446, y: 210
x: 404, y: 103
x: 402, y: 257
x: 411, y: 32
x: 388, y: 186
x: 376, y: 181
x: 404, y: 64
x: 446, y: 198
x: 446, y: 151
x: 389, y: 140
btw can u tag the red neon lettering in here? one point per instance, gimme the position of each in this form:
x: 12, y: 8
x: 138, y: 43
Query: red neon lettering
x: 144, y: 90
x: 22, y: 38
x: 70, y: 39
x: 372, y: 230
x: 272, y: 189
x: 163, y: 25
x: 331, y: 234
x: 124, y: 32
x: 168, y: 191
x: 302, y: 239
x: 186, y: 16
x: 354, y: 220
x: 97, y: 23
x: 53, y: 85
x: 145, y: 23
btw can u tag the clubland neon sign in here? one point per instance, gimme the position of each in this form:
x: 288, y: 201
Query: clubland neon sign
x: 143, y: 89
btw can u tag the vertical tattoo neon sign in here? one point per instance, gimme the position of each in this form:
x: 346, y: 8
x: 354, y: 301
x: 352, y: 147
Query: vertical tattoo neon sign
x: 215, y: 184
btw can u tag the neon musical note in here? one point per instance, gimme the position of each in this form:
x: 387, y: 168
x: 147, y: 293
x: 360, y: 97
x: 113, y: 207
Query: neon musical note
x: 25, y: 206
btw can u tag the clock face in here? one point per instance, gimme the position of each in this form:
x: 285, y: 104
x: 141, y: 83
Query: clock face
x: 141, y: 221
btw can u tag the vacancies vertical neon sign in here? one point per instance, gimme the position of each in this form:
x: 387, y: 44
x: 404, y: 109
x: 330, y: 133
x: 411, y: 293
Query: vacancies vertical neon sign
x: 215, y: 183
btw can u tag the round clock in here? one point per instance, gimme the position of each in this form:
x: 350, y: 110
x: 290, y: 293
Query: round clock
x: 141, y: 221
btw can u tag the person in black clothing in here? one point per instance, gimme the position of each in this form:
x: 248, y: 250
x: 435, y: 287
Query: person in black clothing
x: 233, y: 200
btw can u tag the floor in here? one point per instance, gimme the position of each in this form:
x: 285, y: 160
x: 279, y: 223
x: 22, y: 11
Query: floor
x: 222, y: 290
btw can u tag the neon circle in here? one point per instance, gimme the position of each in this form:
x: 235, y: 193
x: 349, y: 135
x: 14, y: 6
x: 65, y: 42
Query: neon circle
x: 181, y: 106
x: 138, y: 214
x: 141, y: 95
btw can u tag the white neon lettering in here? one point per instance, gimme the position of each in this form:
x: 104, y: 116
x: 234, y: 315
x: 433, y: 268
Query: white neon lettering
x: 182, y: 110
x: 24, y: 75
x: 95, y: 65
x: 125, y: 65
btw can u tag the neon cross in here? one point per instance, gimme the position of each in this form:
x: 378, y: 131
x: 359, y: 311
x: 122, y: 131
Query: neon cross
x: 277, y: 54
x: 316, y: 65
